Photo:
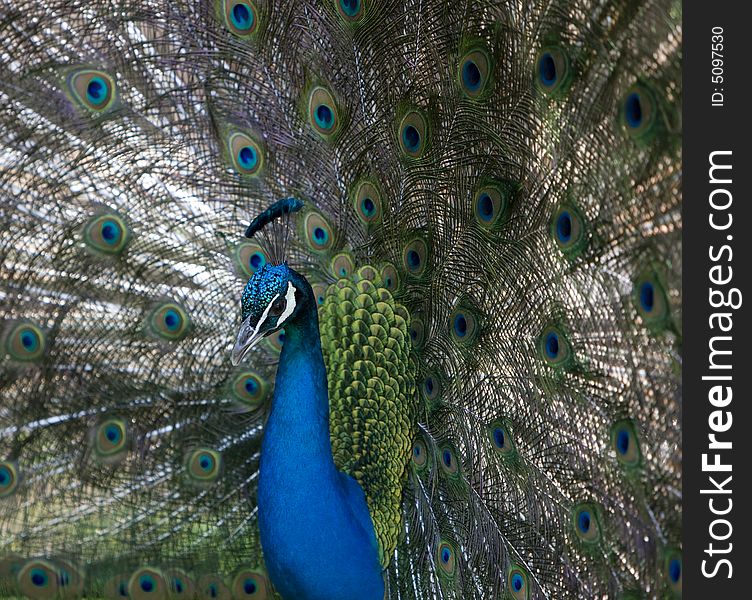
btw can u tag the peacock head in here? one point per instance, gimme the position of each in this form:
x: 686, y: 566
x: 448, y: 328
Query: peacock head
x: 271, y: 298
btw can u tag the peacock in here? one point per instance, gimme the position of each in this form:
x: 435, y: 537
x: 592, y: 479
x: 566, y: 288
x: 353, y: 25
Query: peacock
x: 340, y: 299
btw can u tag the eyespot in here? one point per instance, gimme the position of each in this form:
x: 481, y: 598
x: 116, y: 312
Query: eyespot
x: 322, y: 112
x: 94, y: 90
x: 650, y: 300
x: 415, y: 257
x: 500, y: 437
x: 170, y: 322
x: 448, y: 460
x: 517, y: 583
x: 419, y: 456
x: 446, y: 558
x: 390, y: 277
x: 342, y: 265
x: 413, y: 131
x: 211, y: 587
x: 111, y: 439
x: 9, y: 478
x: 431, y: 388
x: 417, y: 332
x: 463, y: 326
x: 241, y: 17
x: 246, y: 154
x: 250, y: 389
x: 350, y: 10
x: 673, y: 570
x: 319, y: 292
x: 249, y: 258
x: 569, y: 232
x: 639, y: 112
x: 204, y: 466
x: 249, y: 583
x: 275, y: 341
x: 117, y: 587
x: 26, y: 342
x: 71, y: 580
x: 147, y: 584
x: 181, y: 586
x: 490, y: 205
x: 553, y: 70
x: 38, y: 579
x: 555, y: 348
x: 318, y: 232
x: 106, y: 234
x: 586, y: 523
x: 625, y: 443
x: 474, y: 71
x: 367, y: 203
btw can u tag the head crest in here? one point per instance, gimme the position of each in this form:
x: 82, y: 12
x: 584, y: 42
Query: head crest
x: 279, y: 208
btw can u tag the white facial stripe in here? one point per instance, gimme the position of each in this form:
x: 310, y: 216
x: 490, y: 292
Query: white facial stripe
x: 264, y: 315
x: 290, y: 306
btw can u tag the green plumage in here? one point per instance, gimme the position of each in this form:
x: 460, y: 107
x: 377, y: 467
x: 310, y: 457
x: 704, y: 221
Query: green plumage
x: 492, y: 233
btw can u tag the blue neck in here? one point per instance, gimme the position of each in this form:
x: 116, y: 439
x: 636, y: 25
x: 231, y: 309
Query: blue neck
x: 316, y: 531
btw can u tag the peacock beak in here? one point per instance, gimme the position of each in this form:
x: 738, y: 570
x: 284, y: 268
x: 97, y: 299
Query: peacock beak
x: 248, y: 336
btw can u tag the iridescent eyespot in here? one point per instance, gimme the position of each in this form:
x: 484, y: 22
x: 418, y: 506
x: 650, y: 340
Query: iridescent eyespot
x: 474, y: 72
x: 569, y: 231
x: 342, y: 265
x: 390, y: 277
x: 431, y: 388
x: 673, y: 571
x: 26, y: 342
x: 446, y: 558
x: 419, y: 455
x: 116, y: 587
x: 500, y: 437
x: 491, y: 204
x: 555, y: 348
x: 517, y: 583
x: 651, y: 301
x: 625, y: 443
x: 318, y: 232
x: 9, y: 478
x: 246, y: 154
x: 250, y: 388
x: 71, y: 580
x: 180, y: 584
x: 554, y: 72
x: 367, y: 203
x: 38, y: 579
x: 350, y: 10
x: 211, y: 587
x: 586, y: 523
x: 249, y: 258
x: 169, y: 321
x: 250, y: 583
x: 204, y: 466
x: 106, y: 234
x: 415, y: 257
x: 111, y: 439
x: 413, y: 132
x: 323, y: 113
x: 464, y: 326
x: 639, y: 114
x: 241, y: 17
x: 147, y: 583
x: 417, y: 332
x: 93, y: 89
x: 448, y: 460
x: 275, y: 341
